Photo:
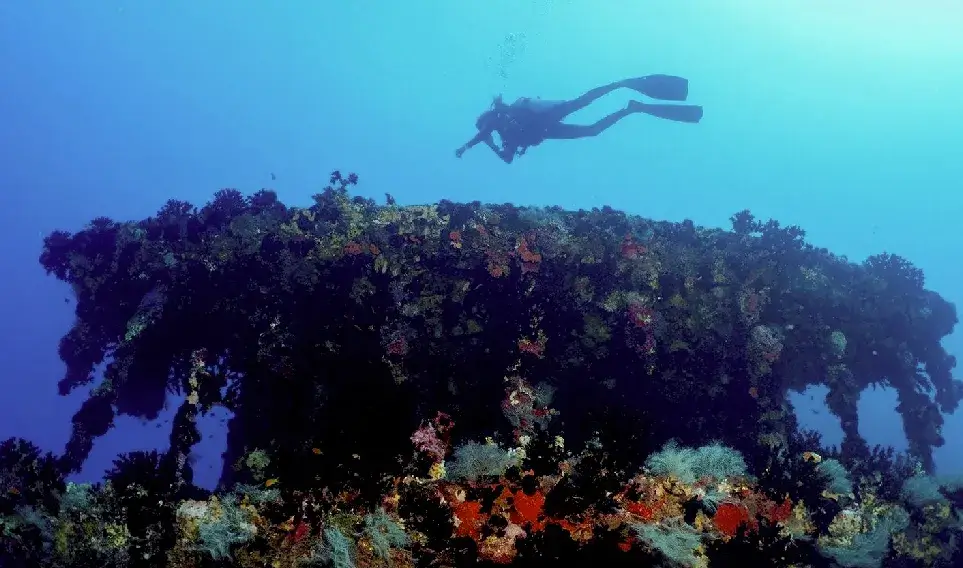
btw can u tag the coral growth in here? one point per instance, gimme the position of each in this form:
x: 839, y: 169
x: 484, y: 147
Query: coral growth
x: 460, y: 384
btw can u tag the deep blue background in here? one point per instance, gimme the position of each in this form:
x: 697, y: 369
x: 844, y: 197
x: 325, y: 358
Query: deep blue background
x: 844, y: 119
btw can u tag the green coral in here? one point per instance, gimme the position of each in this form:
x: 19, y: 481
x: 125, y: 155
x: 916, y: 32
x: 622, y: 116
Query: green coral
x: 77, y: 497
x: 256, y: 494
x: 337, y: 550
x: 678, y: 542
x: 839, y: 482
x: 257, y: 461
x: 838, y: 341
x: 88, y: 529
x: 868, y: 549
x: 384, y: 533
x: 419, y: 220
x: 689, y: 465
x: 220, y: 525
x: 473, y: 460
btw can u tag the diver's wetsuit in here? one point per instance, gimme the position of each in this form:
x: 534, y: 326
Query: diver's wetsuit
x: 528, y: 122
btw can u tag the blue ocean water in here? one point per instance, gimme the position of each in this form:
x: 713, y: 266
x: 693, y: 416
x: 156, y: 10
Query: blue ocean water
x: 842, y: 119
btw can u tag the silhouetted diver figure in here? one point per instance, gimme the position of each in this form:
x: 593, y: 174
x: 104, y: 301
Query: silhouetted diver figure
x: 528, y: 122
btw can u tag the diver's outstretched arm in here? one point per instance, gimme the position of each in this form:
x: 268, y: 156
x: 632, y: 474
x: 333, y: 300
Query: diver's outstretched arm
x: 505, y: 153
x: 482, y: 136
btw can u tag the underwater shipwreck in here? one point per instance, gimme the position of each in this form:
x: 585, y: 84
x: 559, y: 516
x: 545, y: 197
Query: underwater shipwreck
x: 457, y: 385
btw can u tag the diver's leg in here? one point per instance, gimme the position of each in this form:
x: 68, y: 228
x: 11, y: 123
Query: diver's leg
x: 678, y: 113
x: 665, y: 87
x: 562, y: 131
x: 565, y: 108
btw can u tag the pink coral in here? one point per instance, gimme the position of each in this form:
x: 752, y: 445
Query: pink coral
x: 426, y: 440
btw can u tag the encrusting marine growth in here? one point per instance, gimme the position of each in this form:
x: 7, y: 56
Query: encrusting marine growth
x: 478, y: 385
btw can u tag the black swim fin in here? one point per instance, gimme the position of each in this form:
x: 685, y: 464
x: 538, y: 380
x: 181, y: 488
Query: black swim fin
x: 678, y: 113
x: 664, y: 87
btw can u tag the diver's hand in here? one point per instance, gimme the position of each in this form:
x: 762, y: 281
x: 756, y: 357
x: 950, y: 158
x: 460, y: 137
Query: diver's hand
x: 459, y: 152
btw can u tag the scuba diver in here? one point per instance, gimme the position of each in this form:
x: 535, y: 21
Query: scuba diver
x: 529, y: 122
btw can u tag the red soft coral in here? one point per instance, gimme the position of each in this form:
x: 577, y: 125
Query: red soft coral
x: 730, y: 516
x: 779, y: 512
x: 643, y: 510
x: 469, y: 519
x: 529, y: 509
